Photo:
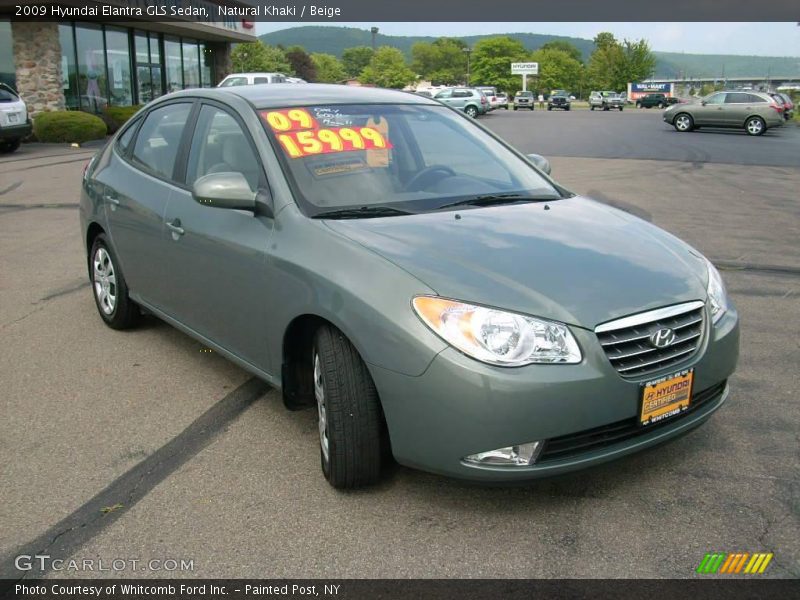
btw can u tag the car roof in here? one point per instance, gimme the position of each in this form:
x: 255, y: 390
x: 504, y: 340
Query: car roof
x: 253, y: 73
x: 277, y: 95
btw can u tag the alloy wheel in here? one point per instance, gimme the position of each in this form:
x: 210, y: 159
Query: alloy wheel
x: 683, y: 123
x: 105, y: 281
x: 319, y: 394
x: 754, y: 126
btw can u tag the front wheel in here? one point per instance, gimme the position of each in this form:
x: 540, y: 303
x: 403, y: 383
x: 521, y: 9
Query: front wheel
x: 515, y: 108
x: 9, y: 146
x: 620, y: 109
x: 348, y: 412
x: 683, y: 122
x: 116, y: 309
x: 755, y: 126
x: 591, y: 108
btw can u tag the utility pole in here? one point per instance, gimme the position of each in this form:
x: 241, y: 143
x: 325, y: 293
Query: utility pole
x: 374, y: 31
x: 467, y: 51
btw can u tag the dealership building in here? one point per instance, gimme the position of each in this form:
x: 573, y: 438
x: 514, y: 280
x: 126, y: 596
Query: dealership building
x: 82, y: 65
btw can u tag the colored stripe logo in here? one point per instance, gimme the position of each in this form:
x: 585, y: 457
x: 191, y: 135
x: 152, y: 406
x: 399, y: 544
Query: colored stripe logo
x: 734, y: 563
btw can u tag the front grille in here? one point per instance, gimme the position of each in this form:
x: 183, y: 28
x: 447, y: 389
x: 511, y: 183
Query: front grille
x: 614, y: 433
x: 627, y: 345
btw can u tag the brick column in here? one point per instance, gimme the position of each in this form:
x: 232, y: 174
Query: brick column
x: 37, y: 56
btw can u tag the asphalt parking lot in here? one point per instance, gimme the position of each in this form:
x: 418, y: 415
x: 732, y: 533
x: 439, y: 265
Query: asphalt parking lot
x: 139, y: 445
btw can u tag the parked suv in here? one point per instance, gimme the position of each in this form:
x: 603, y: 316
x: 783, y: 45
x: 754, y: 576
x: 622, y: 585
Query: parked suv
x: 502, y: 100
x: 469, y: 100
x: 14, y: 121
x: 491, y: 95
x: 235, y: 79
x: 558, y: 101
x: 524, y: 100
x: 651, y: 100
x: 605, y: 100
x: 755, y: 112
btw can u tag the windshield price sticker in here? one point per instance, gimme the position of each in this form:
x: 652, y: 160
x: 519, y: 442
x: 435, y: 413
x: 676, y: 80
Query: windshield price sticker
x: 298, y: 144
x: 290, y: 119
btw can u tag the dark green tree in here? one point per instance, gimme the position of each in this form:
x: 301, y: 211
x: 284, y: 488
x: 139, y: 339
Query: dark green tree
x: 301, y: 63
x: 355, y: 59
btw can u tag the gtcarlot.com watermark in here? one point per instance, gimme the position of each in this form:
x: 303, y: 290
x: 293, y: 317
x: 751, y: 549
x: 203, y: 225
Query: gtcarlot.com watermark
x: 44, y: 562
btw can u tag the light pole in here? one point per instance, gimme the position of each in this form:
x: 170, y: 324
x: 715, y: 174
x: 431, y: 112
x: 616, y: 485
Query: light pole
x: 374, y: 31
x: 467, y: 51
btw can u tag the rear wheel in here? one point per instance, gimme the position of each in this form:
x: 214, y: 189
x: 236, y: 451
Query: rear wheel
x: 683, y: 122
x: 116, y: 309
x: 755, y: 126
x: 471, y: 111
x: 348, y: 411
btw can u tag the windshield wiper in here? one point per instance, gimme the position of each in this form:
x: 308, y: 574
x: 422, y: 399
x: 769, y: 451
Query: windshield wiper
x: 489, y: 199
x: 362, y: 212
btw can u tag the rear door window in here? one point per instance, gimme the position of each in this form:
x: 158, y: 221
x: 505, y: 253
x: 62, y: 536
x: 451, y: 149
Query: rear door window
x: 159, y: 138
x: 260, y: 79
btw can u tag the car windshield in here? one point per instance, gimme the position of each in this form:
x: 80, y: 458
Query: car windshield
x: 406, y: 158
x: 524, y: 93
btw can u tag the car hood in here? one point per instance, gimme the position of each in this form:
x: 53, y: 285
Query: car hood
x: 573, y: 260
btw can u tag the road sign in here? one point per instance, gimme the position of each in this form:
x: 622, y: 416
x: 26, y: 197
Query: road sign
x: 529, y: 68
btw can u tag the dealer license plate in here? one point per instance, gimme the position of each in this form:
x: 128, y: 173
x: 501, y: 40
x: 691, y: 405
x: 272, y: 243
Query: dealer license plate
x: 666, y: 397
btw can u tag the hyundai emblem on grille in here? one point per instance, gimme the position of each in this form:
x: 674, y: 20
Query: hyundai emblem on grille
x: 663, y: 338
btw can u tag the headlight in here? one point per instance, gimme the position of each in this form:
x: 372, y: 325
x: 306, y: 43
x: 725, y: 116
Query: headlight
x: 495, y: 336
x: 717, y: 297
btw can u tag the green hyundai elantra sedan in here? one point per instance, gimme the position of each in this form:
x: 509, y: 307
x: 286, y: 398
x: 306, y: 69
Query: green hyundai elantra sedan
x: 432, y: 292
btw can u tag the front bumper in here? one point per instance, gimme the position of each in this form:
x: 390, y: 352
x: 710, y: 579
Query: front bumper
x: 460, y: 407
x: 15, y: 132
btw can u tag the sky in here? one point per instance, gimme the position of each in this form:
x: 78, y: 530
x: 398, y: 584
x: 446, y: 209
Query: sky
x: 761, y: 39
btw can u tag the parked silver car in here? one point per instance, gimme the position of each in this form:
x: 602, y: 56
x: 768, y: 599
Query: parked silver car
x: 469, y: 100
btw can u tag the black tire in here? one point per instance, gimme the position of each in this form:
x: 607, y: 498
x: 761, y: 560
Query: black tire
x: 471, y: 112
x: 9, y: 146
x: 567, y: 108
x: 549, y: 108
x: 124, y: 313
x: 755, y: 126
x: 620, y: 109
x: 605, y: 107
x: 353, y: 417
x: 515, y: 108
x: 663, y: 106
x: 591, y: 108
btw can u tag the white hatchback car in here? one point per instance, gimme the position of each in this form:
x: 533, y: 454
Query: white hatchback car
x: 252, y: 79
x: 15, y: 124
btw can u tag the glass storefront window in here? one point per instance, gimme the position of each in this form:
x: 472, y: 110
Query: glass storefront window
x: 92, y: 83
x: 191, y: 65
x: 206, y: 65
x: 140, y: 42
x: 172, y: 50
x: 69, y: 70
x: 118, y: 59
x: 8, y: 72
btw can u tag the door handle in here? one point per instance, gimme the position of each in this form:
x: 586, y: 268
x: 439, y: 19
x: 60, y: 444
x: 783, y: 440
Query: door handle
x: 111, y: 199
x: 175, y: 227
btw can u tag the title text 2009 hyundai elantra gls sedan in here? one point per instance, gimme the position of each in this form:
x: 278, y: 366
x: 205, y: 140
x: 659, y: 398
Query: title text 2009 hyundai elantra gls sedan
x: 430, y: 290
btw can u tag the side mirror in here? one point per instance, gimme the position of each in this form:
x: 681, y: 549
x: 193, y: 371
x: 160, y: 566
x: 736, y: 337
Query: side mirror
x: 703, y: 102
x: 540, y: 161
x: 224, y: 190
